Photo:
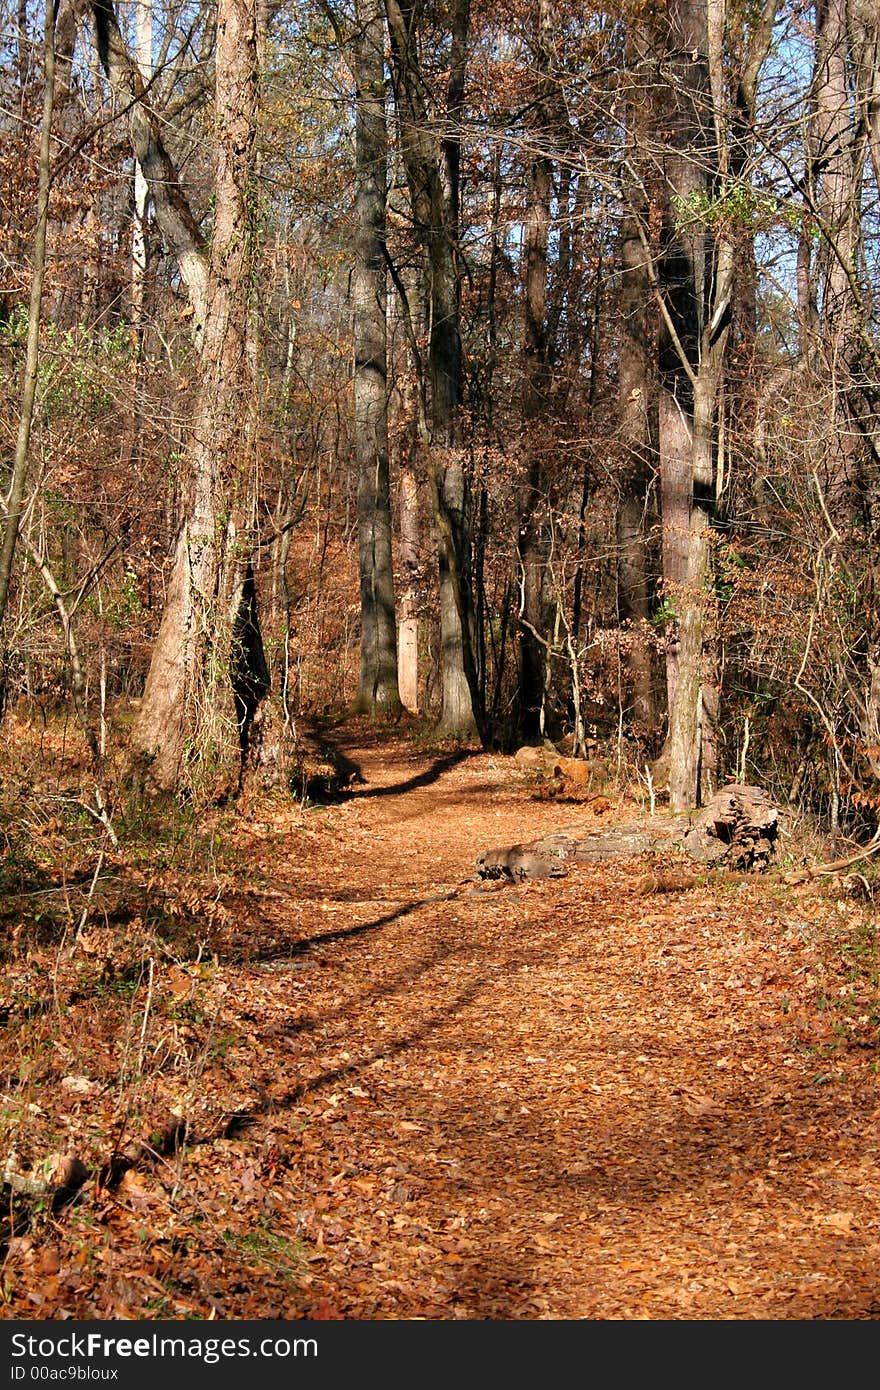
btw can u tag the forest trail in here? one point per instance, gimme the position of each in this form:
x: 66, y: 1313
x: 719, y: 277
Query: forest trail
x: 560, y: 1099
x: 567, y: 1099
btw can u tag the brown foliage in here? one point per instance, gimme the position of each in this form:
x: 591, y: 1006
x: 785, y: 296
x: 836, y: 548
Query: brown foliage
x: 308, y: 1079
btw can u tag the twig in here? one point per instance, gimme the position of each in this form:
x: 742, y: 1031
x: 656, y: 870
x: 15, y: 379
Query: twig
x: 836, y: 865
x: 85, y: 911
x: 147, y: 1005
x: 101, y: 815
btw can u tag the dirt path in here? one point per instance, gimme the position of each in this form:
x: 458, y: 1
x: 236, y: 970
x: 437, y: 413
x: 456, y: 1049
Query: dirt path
x: 563, y: 1099
x: 566, y: 1099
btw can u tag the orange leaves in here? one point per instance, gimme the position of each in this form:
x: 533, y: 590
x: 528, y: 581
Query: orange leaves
x: 180, y: 983
x: 578, y: 1102
x: 698, y: 1103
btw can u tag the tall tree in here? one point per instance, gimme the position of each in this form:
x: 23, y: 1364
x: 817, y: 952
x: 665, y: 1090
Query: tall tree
x: 15, y: 495
x: 636, y: 381
x: 179, y: 228
x: 835, y: 162
x: 431, y: 153
x: 863, y: 25
x: 139, y: 223
x: 208, y: 671
x: 531, y: 542
x: 377, y: 688
x: 705, y: 147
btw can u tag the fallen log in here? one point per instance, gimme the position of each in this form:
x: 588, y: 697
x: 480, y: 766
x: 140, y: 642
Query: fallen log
x: 736, y: 830
x: 539, y: 859
x: 552, y: 856
x: 58, y: 1177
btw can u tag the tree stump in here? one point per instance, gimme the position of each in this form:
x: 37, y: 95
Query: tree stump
x: 738, y: 826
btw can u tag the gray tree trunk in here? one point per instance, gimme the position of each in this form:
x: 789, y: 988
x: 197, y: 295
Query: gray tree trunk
x: 139, y: 222
x: 431, y: 161
x: 208, y: 672
x: 683, y: 273
x: 836, y: 162
x: 707, y: 149
x: 173, y: 214
x: 863, y: 19
x: 531, y: 540
x: 636, y: 355
x: 15, y: 497
x: 378, y: 686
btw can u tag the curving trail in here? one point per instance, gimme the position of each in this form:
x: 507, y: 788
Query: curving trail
x: 355, y: 1087
x: 558, y: 1100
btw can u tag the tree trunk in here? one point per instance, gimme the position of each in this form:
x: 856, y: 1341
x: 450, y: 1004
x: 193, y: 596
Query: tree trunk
x: 636, y: 401
x: 838, y: 171
x: 863, y: 20
x: 173, y: 213
x: 139, y: 223
x: 431, y: 164
x: 15, y: 496
x: 531, y: 542
x: 408, y: 635
x: 378, y: 688
x: 208, y: 672
x: 683, y: 278
x: 691, y: 740
x: 699, y: 275
x: 409, y: 427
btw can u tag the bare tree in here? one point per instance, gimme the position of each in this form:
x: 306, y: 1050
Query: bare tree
x: 208, y: 672
x: 636, y: 379
x: 377, y: 689
x: 15, y: 495
x: 179, y: 228
x: 531, y: 543
x: 431, y: 158
x: 704, y: 153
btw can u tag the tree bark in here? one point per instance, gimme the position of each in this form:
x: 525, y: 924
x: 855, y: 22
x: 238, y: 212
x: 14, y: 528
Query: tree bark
x: 378, y: 684
x: 682, y: 270
x: 699, y: 267
x: 431, y: 164
x: 15, y: 496
x: 408, y: 635
x: 208, y: 672
x: 836, y: 163
x: 863, y: 20
x: 173, y: 213
x: 410, y: 427
x: 636, y: 401
x: 140, y: 223
x: 531, y: 543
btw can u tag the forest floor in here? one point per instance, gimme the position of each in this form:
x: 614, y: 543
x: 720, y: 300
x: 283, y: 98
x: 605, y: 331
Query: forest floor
x: 312, y: 1084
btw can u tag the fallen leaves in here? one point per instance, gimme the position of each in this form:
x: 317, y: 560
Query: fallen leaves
x: 584, y: 1100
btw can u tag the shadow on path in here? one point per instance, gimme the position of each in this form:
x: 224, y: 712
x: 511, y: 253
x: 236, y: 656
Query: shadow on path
x: 420, y: 779
x: 302, y: 947
x: 350, y: 773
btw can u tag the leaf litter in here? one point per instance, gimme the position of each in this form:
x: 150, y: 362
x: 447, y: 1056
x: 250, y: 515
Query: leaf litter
x: 359, y: 1087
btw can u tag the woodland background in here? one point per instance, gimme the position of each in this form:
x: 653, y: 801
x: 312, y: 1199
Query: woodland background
x: 384, y: 387
x: 518, y: 364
